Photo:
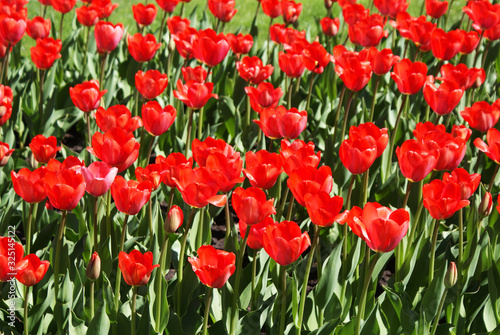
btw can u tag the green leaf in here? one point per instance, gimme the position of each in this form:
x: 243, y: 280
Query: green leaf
x: 323, y: 292
x: 433, y: 294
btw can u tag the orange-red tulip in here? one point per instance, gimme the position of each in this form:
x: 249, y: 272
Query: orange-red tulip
x: 213, y: 267
x: 285, y: 242
x: 136, y: 267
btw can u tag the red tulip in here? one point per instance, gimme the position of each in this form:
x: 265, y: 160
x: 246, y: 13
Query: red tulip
x: 470, y: 43
x: 461, y: 74
x: 468, y: 183
x: 353, y: 13
x: 369, y: 129
x: 443, y: 99
x: 142, y: 48
x: 117, y: 116
x: 271, y: 8
x: 171, y: 165
x: 409, y: 76
x: 226, y: 169
x: 330, y: 26
x: 44, y: 148
x: 144, y: 14
x: 315, y: 57
x: 353, y: 68
x: 309, y: 180
x: 391, y: 7
x: 11, y: 254
x: 193, y: 94
x: 445, y: 45
x: 87, y: 16
x: 443, y: 199
x: 255, y: 239
x: 298, y: 155
x: 86, y: 96
x: 323, y: 209
x: 263, y: 168
x: 136, y: 267
x: 358, y: 155
x: 240, y: 44
x: 168, y: 5
x: 222, y: 9
x: 282, y: 122
x: 197, y: 74
x: 213, y: 267
x: 64, y: 188
x: 70, y: 162
x: 45, y: 52
x: 493, y: 33
x: 436, y: 8
x: 98, y: 178
x: 481, y: 116
x: 461, y: 132
x: 115, y: 147
x: 285, y: 242
x: 382, y: 61
x: 151, y: 83
x: 107, y: 36
x: 175, y: 217
x: 415, y: 160
x: 290, y: 10
x: 292, y: 64
x: 30, y: 270
x: 368, y: 32
x: 131, y: 195
x: 380, y: 227
x: 63, y: 6
x: 5, y: 153
x: 104, y: 8
x: 263, y: 96
x: 251, y: 205
x: 202, y: 150
x: 38, y: 27
x: 418, y: 30
x: 199, y: 187
x: 12, y: 28
x: 177, y: 24
x: 486, y: 205
x: 151, y: 173
x: 210, y: 48
x: 157, y: 120
x: 252, y: 69
x: 483, y: 13
x: 5, y: 104
x: 492, y: 150
x: 29, y: 185
x: 276, y: 32
x: 93, y: 270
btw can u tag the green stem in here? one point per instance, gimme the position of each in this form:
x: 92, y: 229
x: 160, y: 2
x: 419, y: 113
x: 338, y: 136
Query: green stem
x: 362, y: 299
x: 159, y: 281
x: 94, y: 221
x: 290, y: 89
x: 87, y: 38
x: 28, y: 229
x: 119, y: 271
x: 310, y: 90
x: 150, y: 223
x: 366, y: 178
x: 134, y: 314
x: 337, y: 115
x: 200, y: 122
x: 282, y: 205
x: 456, y: 309
x: 492, y: 181
x: 208, y: 302
x: 433, y: 251
x: 290, y: 208
x: 269, y: 41
x: 60, y: 236
x: 374, y: 101
x: 61, y: 27
x: 236, y: 291
x: 101, y: 77
x: 227, y: 217
x: 40, y: 99
x: 91, y: 301
x: 150, y: 150
x: 485, y: 53
x: 407, y: 195
x: 310, y: 257
x: 189, y: 129
x: 283, y: 298
x: 249, y: 112
x: 199, y: 236
x: 163, y: 21
x: 394, y: 132
x: 346, y: 114
x: 440, y: 309
x: 415, y: 221
x: 476, y: 56
x: 344, y: 240
x: 26, y: 305
x: 254, y: 274
x: 180, y: 267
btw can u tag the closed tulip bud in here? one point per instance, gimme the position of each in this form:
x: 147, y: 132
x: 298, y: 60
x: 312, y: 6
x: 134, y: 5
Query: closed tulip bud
x: 174, y: 220
x: 486, y: 205
x: 94, y: 268
x: 450, y: 278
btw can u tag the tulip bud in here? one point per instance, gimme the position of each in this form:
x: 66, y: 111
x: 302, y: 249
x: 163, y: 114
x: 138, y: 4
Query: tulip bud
x: 174, y: 220
x: 486, y: 205
x: 328, y: 4
x: 171, y: 45
x: 94, y: 268
x: 450, y: 279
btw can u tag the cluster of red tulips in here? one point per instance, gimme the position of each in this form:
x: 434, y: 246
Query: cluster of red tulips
x: 142, y: 155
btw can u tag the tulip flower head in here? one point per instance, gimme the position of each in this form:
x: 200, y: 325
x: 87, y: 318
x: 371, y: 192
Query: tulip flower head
x: 86, y: 96
x: 171, y: 165
x: 104, y: 8
x: 262, y: 168
x: 285, y: 242
x: 409, y: 76
x: 252, y: 70
x: 282, y: 122
x: 117, y: 116
x: 492, y: 149
x: 255, y: 239
x: 209, y: 47
x: 98, y: 178
x: 468, y: 182
x: 136, y: 267
x: 443, y: 199
x: 11, y: 254
x: 157, y: 120
x: 107, y: 36
x: 45, y: 52
x: 87, y: 16
x: 64, y: 188
x: 443, y: 99
x: 151, y: 83
x: 330, y: 26
x: 38, y: 27
x: 353, y: 68
x: 213, y: 267
x: 251, y: 205
x: 380, y: 227
x: 175, y: 217
x: 222, y: 9
x: 30, y: 270
x: 323, y: 210
x: 309, y: 180
x: 151, y: 173
x: 29, y: 185
x: 144, y: 15
x: 5, y: 153
x: 481, y: 115
x: 142, y: 48
x: 298, y: 154
x: 193, y: 94
x: 44, y: 148
x: 240, y: 44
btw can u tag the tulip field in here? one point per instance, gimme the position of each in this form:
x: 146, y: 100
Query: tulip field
x: 249, y: 167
